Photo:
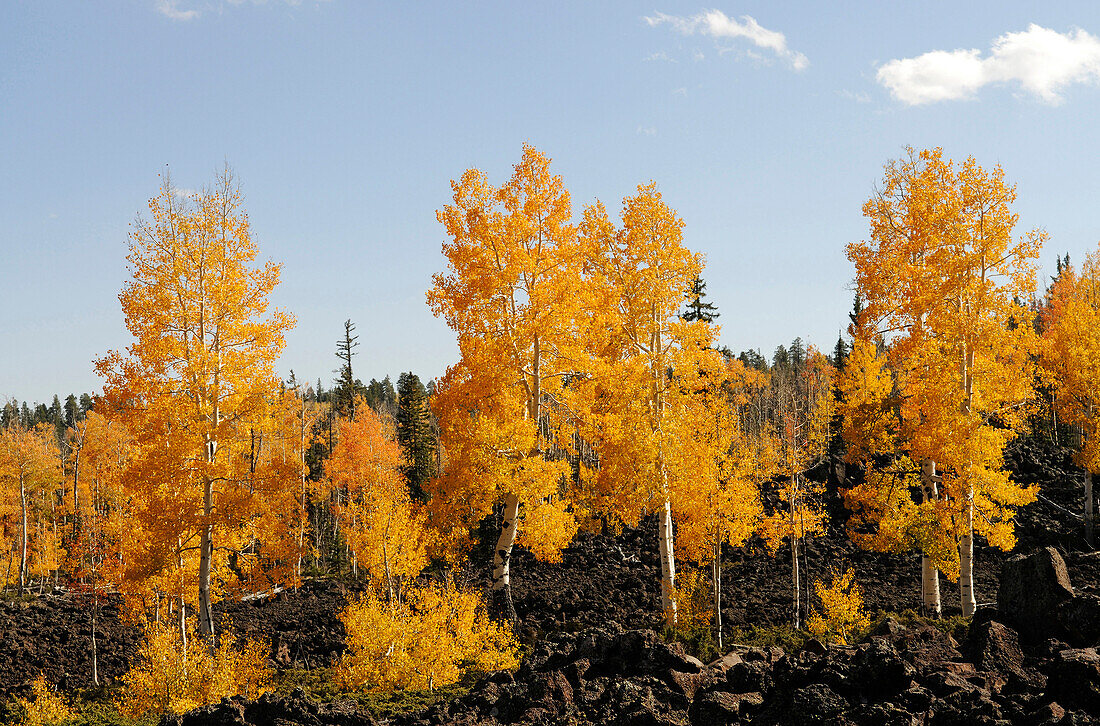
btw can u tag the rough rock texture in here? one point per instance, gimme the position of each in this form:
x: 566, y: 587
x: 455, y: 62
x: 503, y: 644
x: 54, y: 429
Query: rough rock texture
x: 914, y: 675
x: 269, y: 710
x: 1032, y: 587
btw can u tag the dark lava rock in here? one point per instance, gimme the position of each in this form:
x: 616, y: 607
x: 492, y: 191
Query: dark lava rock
x: 1032, y: 587
x: 271, y: 709
x: 1080, y: 619
x: 995, y: 647
x: 1075, y: 679
x: 814, y: 704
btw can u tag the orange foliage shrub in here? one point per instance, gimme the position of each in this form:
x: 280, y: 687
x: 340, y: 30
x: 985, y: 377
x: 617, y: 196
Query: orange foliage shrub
x: 423, y: 642
x: 171, y: 676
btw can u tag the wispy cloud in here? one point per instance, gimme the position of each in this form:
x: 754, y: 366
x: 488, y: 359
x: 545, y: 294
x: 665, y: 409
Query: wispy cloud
x: 647, y: 131
x: 660, y: 56
x: 171, y: 10
x: 858, y: 97
x: 1042, y: 61
x: 716, y: 24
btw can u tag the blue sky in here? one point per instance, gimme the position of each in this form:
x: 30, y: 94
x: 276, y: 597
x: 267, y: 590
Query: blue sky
x: 765, y: 125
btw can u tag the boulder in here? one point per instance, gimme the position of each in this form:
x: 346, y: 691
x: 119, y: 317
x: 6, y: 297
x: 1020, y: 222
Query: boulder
x: 994, y: 647
x: 1075, y: 679
x: 1032, y: 587
x: 1080, y: 619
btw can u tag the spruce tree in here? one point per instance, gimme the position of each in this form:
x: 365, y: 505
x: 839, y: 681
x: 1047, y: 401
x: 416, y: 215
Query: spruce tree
x: 344, y: 393
x: 414, y: 433
x: 697, y: 309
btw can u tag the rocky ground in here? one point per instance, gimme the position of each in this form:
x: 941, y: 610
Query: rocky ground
x: 1032, y: 659
x: 605, y: 579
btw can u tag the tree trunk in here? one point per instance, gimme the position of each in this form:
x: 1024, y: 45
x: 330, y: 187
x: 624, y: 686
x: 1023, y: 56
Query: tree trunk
x: 966, y: 562
x: 795, y: 605
x: 930, y: 577
x: 206, y: 548
x: 95, y: 612
x: 23, y: 536
x: 668, y: 563
x: 1089, y: 508
x: 501, y: 605
x: 717, y: 577
x: 966, y: 542
x: 183, y: 632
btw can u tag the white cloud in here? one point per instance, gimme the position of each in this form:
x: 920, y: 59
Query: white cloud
x: 852, y: 96
x: 660, y: 56
x: 647, y: 131
x: 718, y: 25
x: 170, y: 9
x: 680, y: 91
x: 1041, y: 60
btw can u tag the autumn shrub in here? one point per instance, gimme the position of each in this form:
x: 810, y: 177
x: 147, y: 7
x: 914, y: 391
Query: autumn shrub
x: 170, y: 676
x: 425, y: 641
x: 694, y: 614
x: 842, y: 617
x: 46, y: 707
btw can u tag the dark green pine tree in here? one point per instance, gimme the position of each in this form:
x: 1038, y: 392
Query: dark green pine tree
x: 697, y: 309
x: 840, y: 352
x: 857, y: 310
x: 344, y: 392
x: 381, y: 396
x: 415, y: 434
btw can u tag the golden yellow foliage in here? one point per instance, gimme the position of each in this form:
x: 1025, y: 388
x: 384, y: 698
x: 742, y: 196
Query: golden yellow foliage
x: 512, y: 295
x: 842, y: 616
x: 693, y: 601
x: 383, y: 527
x: 173, y: 676
x: 46, y: 707
x: 195, y: 391
x: 426, y: 640
x: 1071, y: 354
x: 942, y: 277
x: 30, y: 473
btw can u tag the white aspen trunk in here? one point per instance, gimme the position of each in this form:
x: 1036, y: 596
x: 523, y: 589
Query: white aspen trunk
x: 668, y: 563
x: 665, y: 533
x: 183, y: 632
x: 206, y: 548
x: 966, y: 563
x: 796, y: 604
x: 1090, y: 516
x: 930, y: 577
x: 501, y: 588
x: 302, y: 516
x: 966, y: 543
x: 23, y: 536
x: 717, y: 577
x: 95, y: 612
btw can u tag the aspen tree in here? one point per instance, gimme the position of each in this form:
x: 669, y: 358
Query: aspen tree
x: 940, y: 277
x: 30, y: 471
x: 1071, y: 357
x: 198, y: 375
x: 511, y: 296
x: 384, y: 528
x: 641, y: 274
x: 726, y: 453
x: 801, y: 407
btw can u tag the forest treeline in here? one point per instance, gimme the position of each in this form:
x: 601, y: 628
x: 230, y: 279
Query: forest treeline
x: 590, y: 392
